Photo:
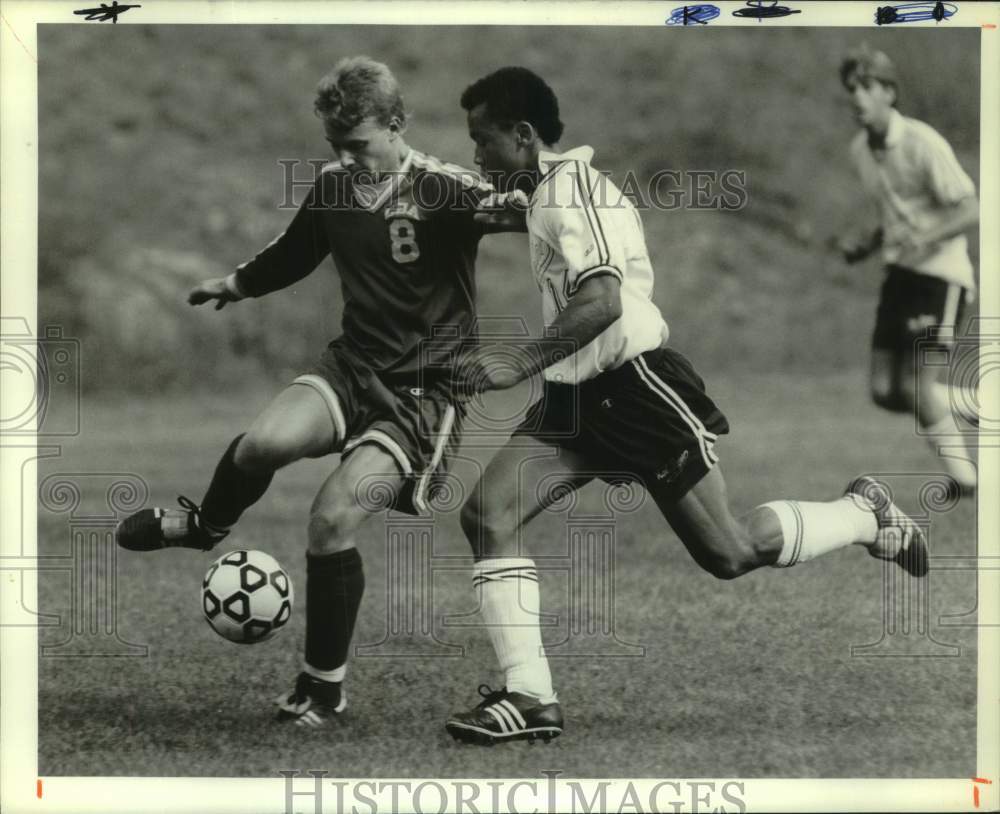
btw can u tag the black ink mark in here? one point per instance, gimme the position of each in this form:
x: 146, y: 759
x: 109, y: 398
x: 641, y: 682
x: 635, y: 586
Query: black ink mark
x: 760, y: 11
x: 914, y: 12
x: 105, y: 12
x: 688, y: 15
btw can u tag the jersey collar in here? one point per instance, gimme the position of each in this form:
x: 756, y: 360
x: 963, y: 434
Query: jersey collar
x: 373, y: 196
x: 893, y: 130
x: 548, y: 160
x: 894, y: 133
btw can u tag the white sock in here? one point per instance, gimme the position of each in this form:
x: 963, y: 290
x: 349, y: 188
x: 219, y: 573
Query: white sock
x: 810, y: 530
x: 962, y: 400
x: 508, y: 600
x: 956, y: 459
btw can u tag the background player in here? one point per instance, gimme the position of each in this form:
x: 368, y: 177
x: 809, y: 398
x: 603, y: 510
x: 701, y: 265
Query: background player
x: 400, y: 228
x: 926, y: 203
x: 623, y: 407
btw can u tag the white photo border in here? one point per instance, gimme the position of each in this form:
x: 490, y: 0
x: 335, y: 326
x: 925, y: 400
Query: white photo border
x: 22, y: 790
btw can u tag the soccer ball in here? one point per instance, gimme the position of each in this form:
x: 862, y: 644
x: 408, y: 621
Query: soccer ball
x: 247, y: 596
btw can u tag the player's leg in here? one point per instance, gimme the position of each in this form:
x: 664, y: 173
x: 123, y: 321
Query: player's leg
x: 788, y: 532
x: 664, y: 421
x: 525, y: 477
x: 366, y: 483
x: 911, y: 303
x: 296, y: 424
x: 937, y: 404
x: 884, y: 380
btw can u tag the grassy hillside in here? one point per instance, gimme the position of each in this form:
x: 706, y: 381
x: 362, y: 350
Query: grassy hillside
x: 159, y: 166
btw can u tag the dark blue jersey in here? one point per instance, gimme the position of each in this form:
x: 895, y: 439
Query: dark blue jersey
x: 405, y: 254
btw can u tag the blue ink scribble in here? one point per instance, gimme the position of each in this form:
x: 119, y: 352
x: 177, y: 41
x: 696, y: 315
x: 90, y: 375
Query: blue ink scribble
x: 914, y: 12
x: 688, y: 15
x: 760, y: 11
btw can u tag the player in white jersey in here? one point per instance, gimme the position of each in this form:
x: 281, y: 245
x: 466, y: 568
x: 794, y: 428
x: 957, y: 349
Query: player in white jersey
x: 926, y: 203
x: 623, y: 407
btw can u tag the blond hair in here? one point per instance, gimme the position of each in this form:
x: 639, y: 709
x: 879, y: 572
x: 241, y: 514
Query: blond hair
x: 356, y: 89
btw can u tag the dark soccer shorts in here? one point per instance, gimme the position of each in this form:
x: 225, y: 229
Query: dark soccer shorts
x: 915, y: 306
x: 649, y: 420
x: 420, y: 427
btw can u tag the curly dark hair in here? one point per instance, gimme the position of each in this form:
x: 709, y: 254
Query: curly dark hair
x: 517, y: 95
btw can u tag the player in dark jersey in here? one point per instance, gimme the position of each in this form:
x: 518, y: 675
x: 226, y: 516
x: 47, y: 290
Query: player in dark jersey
x: 402, y: 229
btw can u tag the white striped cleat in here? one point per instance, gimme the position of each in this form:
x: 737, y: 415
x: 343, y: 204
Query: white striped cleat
x: 312, y: 703
x: 899, y: 538
x: 506, y: 716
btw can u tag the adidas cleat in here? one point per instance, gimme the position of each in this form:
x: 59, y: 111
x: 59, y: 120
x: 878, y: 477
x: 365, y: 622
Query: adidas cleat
x: 312, y: 703
x: 899, y: 538
x: 506, y: 716
x: 153, y: 529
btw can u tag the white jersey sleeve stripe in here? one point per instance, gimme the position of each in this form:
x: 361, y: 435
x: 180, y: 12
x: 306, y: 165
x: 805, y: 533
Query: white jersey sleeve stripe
x: 593, y: 208
x: 591, y: 215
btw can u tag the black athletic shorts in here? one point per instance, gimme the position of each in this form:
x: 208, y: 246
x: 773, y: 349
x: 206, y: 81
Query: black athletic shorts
x: 649, y: 420
x: 417, y: 422
x: 915, y: 306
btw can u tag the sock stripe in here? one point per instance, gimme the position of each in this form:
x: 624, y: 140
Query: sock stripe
x: 799, y: 532
x: 480, y: 579
x: 529, y: 568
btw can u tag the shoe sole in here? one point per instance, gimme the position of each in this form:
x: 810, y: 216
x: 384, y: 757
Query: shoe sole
x: 483, y: 737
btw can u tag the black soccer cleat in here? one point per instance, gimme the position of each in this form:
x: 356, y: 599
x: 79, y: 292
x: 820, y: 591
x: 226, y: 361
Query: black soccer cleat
x: 899, y: 538
x: 506, y: 716
x: 313, y: 702
x: 153, y: 529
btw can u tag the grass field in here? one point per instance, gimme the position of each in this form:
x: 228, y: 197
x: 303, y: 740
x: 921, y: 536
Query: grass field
x: 750, y: 678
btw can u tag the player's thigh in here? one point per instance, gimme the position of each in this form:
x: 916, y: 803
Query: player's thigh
x: 365, y: 483
x: 296, y: 424
x: 525, y: 477
x: 702, y: 520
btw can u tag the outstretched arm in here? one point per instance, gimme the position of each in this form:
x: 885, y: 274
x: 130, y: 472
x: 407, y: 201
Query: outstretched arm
x: 287, y: 259
x: 594, y: 307
x: 503, y: 213
x: 221, y: 289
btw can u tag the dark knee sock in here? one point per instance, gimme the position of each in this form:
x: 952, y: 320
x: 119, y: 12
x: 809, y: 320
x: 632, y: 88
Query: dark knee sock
x: 335, y: 584
x: 232, y: 491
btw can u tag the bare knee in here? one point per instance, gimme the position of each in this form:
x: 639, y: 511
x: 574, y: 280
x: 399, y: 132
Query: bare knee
x: 332, y: 526
x: 267, y: 448
x: 733, y: 556
x: 490, y: 529
x: 730, y: 565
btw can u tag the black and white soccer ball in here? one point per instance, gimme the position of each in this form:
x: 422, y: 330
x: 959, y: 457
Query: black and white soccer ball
x: 247, y: 596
